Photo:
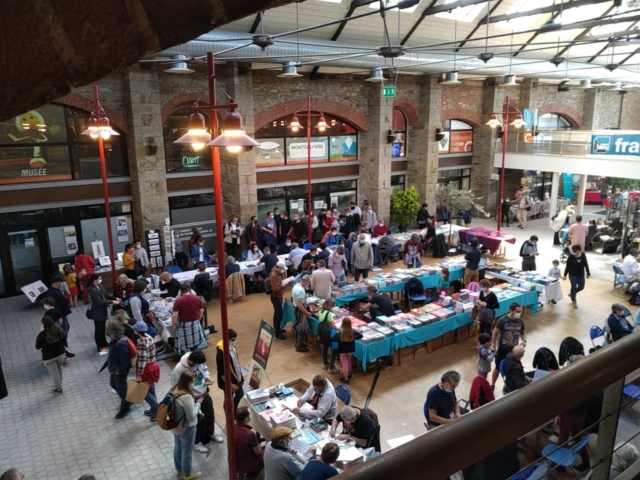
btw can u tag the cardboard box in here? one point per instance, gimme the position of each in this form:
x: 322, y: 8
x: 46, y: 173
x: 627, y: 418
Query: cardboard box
x: 434, y: 344
x: 462, y: 333
x: 448, y: 338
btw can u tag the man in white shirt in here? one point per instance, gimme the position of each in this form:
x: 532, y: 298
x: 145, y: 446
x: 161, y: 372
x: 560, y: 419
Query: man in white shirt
x: 630, y: 267
x: 140, y: 253
x: 578, y: 233
x: 319, y: 401
x: 322, y: 280
x: 295, y: 256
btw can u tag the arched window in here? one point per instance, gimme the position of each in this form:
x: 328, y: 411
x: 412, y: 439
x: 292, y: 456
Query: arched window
x: 399, y: 126
x: 46, y: 144
x: 183, y: 158
x: 458, y: 137
x: 553, y: 121
x: 280, y: 145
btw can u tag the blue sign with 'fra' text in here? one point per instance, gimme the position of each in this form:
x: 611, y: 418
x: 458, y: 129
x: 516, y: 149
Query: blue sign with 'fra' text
x: 628, y: 145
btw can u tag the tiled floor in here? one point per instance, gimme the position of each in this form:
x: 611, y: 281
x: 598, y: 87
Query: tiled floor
x: 51, y: 437
x: 54, y: 438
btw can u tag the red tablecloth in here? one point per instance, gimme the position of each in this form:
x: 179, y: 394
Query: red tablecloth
x: 592, y: 196
x: 490, y: 239
x: 634, y: 195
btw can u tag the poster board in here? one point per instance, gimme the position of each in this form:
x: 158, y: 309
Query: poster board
x: 98, y: 249
x: 122, y: 229
x: 263, y: 344
x: 34, y: 290
x: 154, y: 248
x: 70, y: 240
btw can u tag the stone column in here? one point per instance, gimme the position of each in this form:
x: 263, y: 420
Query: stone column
x: 423, y: 160
x: 375, y: 151
x: 528, y: 94
x: 484, y: 144
x: 553, y: 203
x: 581, y: 191
x: 148, y: 172
x: 238, y: 171
x: 591, y: 107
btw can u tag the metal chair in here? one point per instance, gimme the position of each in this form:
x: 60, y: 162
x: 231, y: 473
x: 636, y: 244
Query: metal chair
x: 561, y: 456
x: 343, y: 392
x: 307, y: 246
x: 244, y: 255
x: 620, y: 282
x: 393, y: 254
x: 174, y: 269
x: 393, y: 229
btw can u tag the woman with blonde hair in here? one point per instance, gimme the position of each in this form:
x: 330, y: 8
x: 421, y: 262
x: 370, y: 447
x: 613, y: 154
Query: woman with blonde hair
x: 186, y: 411
x: 346, y: 338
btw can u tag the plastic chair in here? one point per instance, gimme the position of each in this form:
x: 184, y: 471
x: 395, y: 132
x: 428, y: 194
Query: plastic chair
x: 596, y: 332
x: 393, y: 255
x: 474, y: 287
x: 562, y: 456
x: 244, y: 255
x: 393, y: 229
x: 631, y: 391
x: 307, y: 246
x: 343, y: 392
x: 174, y: 269
x: 531, y: 472
x: 619, y: 282
x: 414, y: 293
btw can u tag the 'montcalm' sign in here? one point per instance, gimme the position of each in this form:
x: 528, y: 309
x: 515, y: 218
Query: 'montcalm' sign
x: 615, y: 145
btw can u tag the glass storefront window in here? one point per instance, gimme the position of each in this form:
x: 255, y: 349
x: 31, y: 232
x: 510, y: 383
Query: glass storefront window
x: 553, y: 121
x: 46, y: 145
x: 458, y: 137
x: 399, y: 125
x: 397, y: 183
x: 182, y: 158
x: 279, y: 145
x: 457, y: 176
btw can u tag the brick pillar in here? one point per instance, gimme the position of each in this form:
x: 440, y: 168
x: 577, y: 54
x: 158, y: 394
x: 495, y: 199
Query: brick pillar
x: 375, y: 154
x: 238, y: 171
x: 591, y: 106
x: 484, y: 149
x: 528, y: 94
x: 423, y: 160
x: 148, y: 172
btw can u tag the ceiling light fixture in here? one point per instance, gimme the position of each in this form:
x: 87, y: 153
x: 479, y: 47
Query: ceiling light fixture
x: 375, y: 75
x: 233, y: 135
x: 180, y: 67
x: 451, y: 78
x: 510, y: 80
x: 290, y: 70
x: 585, y: 84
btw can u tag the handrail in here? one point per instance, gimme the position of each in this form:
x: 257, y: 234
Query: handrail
x: 452, y: 447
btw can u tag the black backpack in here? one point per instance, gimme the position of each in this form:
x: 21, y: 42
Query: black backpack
x: 267, y: 285
x: 324, y: 331
x: 439, y: 249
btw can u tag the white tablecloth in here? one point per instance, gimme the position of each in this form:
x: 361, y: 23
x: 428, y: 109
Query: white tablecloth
x: 246, y: 268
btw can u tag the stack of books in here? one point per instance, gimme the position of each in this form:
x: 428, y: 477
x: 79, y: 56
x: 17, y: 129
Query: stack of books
x: 283, y: 418
x: 258, y: 396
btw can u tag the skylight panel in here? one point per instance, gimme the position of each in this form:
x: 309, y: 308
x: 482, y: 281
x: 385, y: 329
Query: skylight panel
x: 462, y: 14
x: 391, y: 3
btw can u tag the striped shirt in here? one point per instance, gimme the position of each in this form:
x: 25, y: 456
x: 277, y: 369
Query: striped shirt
x: 146, y: 353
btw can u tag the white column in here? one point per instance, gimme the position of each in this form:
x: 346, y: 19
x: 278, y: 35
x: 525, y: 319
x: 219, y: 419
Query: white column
x: 581, y: 192
x: 553, y: 202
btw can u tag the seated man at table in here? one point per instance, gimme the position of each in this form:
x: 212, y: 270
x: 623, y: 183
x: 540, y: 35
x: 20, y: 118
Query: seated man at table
x: 631, y: 268
x: 617, y: 322
x: 170, y: 284
x: 514, y: 376
x: 280, y: 462
x: 312, y: 255
x: 320, y: 468
x: 441, y: 405
x: 249, y: 459
x: 379, y: 304
x: 333, y: 238
x: 319, y: 401
x: 359, y: 426
x: 231, y: 267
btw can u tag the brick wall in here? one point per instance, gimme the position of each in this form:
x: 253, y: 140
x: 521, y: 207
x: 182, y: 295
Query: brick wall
x: 462, y: 102
x: 631, y: 111
x: 112, y: 93
x: 609, y: 111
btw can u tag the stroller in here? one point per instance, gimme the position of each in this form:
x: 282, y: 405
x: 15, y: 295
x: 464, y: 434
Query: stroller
x: 566, y: 249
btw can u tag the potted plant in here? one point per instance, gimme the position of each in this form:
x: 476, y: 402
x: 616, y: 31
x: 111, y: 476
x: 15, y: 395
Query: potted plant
x: 458, y: 201
x: 404, y: 207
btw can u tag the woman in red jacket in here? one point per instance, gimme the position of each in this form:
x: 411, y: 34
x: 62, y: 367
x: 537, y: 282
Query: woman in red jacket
x: 84, y: 266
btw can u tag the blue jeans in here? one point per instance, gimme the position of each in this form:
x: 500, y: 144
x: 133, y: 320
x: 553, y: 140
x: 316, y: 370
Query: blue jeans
x: 277, y: 303
x: 342, y: 278
x: 151, y: 399
x: 183, y: 450
x: 65, y: 324
x: 325, y: 359
x: 577, y: 285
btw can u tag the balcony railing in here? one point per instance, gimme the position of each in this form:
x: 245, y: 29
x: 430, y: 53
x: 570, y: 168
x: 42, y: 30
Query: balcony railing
x: 560, y: 142
x: 445, y: 450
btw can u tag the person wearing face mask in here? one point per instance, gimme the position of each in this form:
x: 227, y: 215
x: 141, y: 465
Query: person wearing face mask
x: 237, y: 380
x: 249, y: 460
x: 285, y: 247
x: 269, y: 231
x: 300, y: 227
x: 233, y: 236
x: 380, y: 229
x: 334, y: 238
x: 576, y: 267
x: 199, y: 252
x: 254, y: 254
x: 370, y: 216
x: 100, y: 302
x: 252, y: 232
x: 442, y: 404
x: 285, y: 227
x: 508, y: 332
x: 488, y: 303
x: 617, y: 322
x: 346, y: 225
x: 280, y: 461
x: 529, y: 252
x: 361, y: 258
x: 356, y: 212
x: 337, y: 263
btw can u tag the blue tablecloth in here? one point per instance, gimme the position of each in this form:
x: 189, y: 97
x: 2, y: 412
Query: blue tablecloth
x: 428, y: 281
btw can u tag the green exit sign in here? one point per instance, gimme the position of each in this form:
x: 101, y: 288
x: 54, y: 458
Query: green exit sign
x: 388, y: 91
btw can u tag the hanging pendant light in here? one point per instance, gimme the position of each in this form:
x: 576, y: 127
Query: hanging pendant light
x: 451, y: 78
x: 289, y: 70
x: 518, y: 122
x: 585, y: 84
x: 322, y: 124
x: 510, y: 80
x: 493, y: 121
x: 375, y: 75
x: 295, y: 124
x: 197, y: 135
x: 233, y: 135
x: 180, y: 67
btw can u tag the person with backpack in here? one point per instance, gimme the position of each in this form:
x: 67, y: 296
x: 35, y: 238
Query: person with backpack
x: 346, y: 337
x: 275, y: 289
x: 196, y: 363
x: 140, y: 306
x: 325, y: 331
x: 185, y: 412
x: 529, y: 252
x: 52, y: 340
x: 121, y: 351
x: 147, y: 369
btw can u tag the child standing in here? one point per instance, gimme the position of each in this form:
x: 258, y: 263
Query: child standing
x: 554, y: 272
x: 346, y: 337
x: 485, y: 355
x: 72, y: 283
x: 324, y: 335
x: 443, y: 282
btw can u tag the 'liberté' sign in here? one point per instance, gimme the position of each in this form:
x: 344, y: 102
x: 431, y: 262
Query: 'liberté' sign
x: 615, y: 145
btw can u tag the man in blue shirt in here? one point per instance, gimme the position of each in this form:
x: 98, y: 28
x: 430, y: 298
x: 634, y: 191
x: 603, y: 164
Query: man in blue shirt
x: 320, y: 468
x: 334, y: 238
x: 473, y: 256
x: 442, y: 405
x: 269, y: 260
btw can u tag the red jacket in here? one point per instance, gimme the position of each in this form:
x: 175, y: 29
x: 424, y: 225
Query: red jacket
x: 379, y: 231
x: 84, y: 261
